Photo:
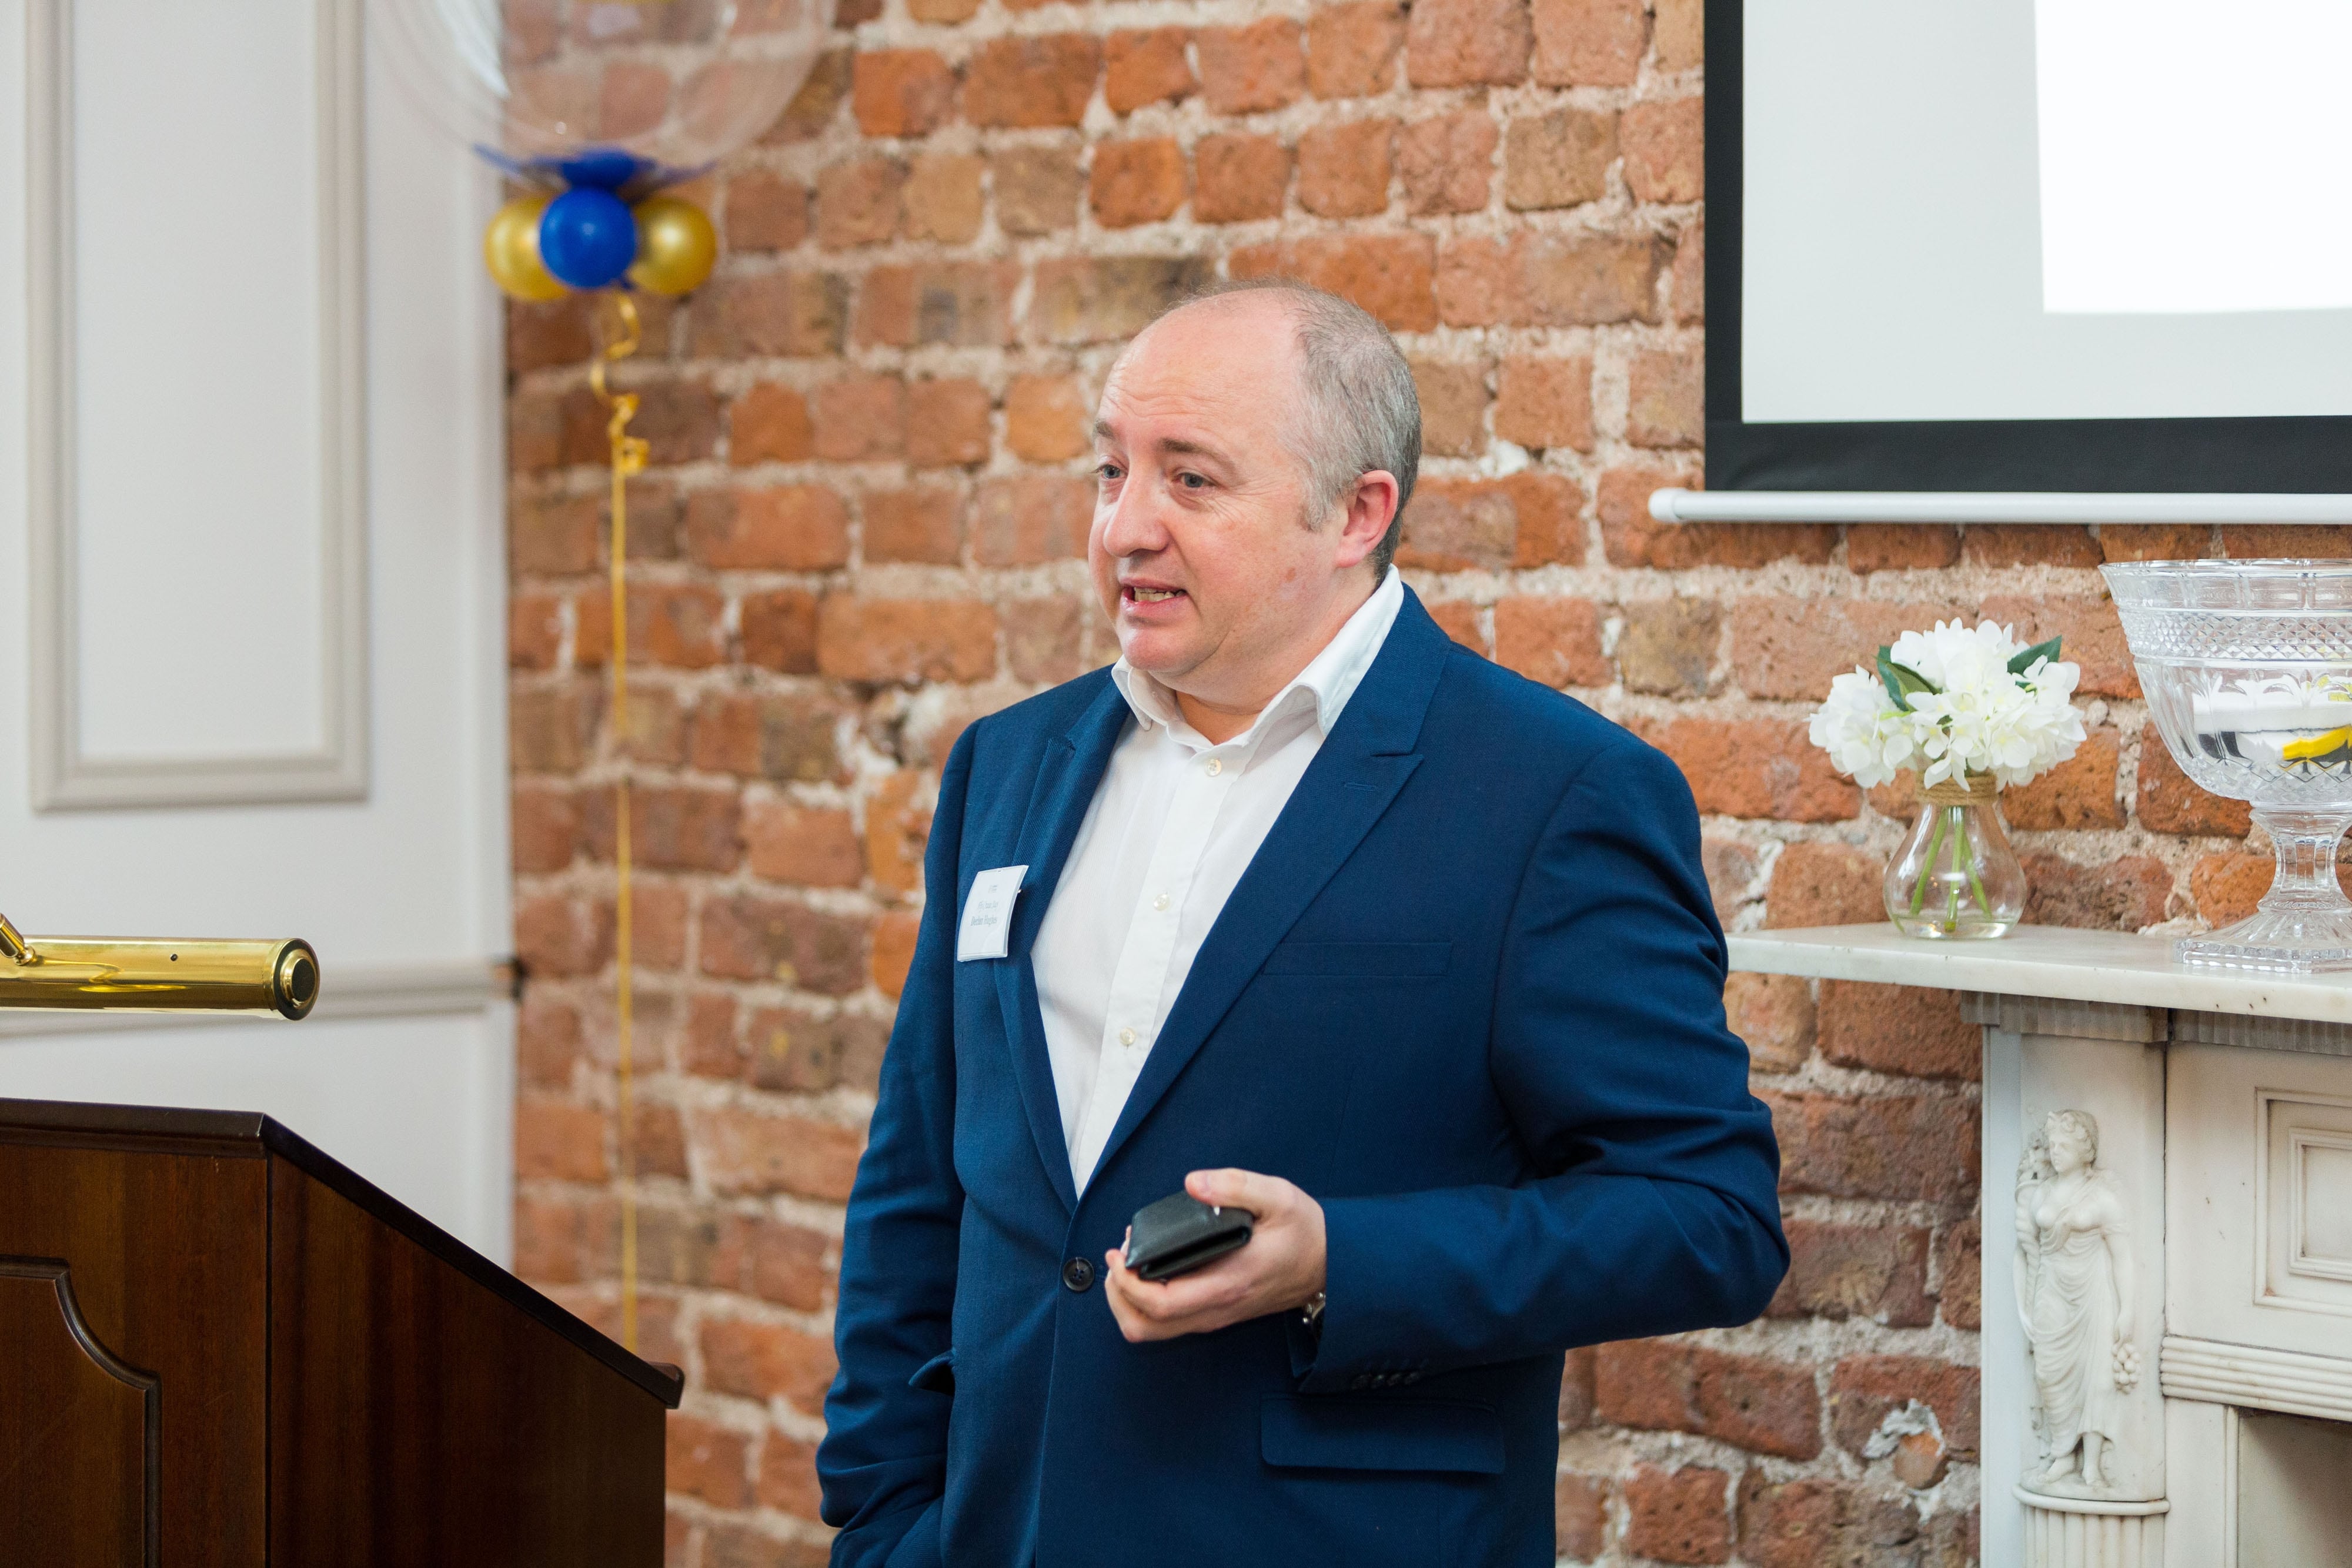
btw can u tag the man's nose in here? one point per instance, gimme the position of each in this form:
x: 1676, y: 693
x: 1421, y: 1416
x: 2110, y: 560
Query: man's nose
x: 1135, y: 525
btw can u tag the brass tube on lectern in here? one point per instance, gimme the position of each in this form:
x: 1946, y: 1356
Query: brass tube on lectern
x: 157, y: 973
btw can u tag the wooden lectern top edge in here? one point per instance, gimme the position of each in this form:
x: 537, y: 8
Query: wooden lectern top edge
x: 249, y: 1135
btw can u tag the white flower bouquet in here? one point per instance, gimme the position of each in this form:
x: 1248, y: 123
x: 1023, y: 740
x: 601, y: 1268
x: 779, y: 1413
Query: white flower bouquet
x: 1970, y: 711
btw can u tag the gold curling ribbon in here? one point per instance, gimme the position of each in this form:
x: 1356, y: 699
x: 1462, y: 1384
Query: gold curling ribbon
x: 619, y: 333
x: 1980, y: 790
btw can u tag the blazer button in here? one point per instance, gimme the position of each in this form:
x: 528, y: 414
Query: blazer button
x: 1077, y: 1275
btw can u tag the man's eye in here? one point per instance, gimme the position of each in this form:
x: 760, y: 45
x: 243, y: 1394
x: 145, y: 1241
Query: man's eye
x: 1192, y: 481
x: 1107, y: 471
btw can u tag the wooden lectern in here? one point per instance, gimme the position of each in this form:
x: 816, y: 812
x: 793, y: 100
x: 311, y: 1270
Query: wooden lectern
x: 218, y: 1345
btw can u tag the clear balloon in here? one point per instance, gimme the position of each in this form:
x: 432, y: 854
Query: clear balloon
x: 627, y: 95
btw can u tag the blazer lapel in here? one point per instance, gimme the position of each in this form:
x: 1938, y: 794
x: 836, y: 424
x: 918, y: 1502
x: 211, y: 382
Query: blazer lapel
x: 1068, y: 775
x: 1364, y: 761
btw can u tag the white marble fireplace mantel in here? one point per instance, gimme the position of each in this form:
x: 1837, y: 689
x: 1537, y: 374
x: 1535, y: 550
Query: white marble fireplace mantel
x: 2182, y: 1138
x: 2053, y: 962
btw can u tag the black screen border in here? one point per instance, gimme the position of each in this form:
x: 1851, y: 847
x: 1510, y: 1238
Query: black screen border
x: 2290, y: 455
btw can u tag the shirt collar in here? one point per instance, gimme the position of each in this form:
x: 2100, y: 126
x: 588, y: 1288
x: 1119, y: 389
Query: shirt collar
x: 1329, y: 679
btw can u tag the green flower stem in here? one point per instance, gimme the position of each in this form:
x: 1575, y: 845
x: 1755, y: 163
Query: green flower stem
x: 1976, y: 883
x: 1928, y: 866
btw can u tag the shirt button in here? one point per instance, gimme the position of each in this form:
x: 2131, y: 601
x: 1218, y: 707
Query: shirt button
x: 1078, y: 1276
x: 1160, y: 902
x: 1127, y: 1037
x: 1216, y: 766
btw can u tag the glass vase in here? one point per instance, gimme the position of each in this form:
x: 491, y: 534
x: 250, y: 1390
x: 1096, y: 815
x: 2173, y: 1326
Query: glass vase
x: 2247, y: 665
x: 2304, y: 924
x: 1956, y: 875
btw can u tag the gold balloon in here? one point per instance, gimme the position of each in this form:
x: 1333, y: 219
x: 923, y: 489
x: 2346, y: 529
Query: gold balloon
x: 676, y: 246
x: 510, y: 247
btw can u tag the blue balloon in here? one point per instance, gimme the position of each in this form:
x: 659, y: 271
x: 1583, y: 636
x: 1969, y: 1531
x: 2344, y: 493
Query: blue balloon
x: 587, y: 238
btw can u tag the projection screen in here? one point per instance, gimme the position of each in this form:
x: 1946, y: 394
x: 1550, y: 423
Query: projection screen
x: 2028, y: 244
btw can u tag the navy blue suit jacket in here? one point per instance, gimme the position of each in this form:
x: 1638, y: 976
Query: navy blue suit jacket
x: 1468, y: 996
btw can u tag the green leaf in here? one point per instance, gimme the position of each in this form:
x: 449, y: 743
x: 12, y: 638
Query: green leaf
x: 1902, y: 684
x: 2024, y: 661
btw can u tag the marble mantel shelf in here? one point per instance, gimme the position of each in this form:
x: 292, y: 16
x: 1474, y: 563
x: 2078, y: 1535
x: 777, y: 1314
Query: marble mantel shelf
x: 2048, y: 961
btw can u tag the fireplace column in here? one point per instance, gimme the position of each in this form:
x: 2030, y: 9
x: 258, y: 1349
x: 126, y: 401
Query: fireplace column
x: 2074, y: 1280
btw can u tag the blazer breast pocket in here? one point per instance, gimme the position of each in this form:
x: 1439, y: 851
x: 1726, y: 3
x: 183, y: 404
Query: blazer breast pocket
x: 1361, y: 960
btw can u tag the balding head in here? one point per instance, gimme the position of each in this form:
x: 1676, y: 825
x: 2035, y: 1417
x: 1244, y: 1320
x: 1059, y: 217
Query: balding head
x: 1254, y: 448
x: 1355, y: 412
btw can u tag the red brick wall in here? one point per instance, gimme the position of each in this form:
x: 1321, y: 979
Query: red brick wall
x: 863, y: 527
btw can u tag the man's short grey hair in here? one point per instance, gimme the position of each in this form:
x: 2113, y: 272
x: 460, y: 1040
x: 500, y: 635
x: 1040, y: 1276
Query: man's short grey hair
x: 1359, y: 413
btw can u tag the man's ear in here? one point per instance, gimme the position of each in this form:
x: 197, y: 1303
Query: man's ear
x: 1365, y: 515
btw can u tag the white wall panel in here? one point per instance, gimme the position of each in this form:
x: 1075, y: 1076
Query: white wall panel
x: 195, y: 177
x: 192, y: 184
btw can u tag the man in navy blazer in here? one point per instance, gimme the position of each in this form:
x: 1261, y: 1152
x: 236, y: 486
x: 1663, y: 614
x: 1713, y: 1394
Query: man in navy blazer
x: 1309, y: 911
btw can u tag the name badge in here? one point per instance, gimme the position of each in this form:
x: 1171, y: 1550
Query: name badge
x: 987, y: 929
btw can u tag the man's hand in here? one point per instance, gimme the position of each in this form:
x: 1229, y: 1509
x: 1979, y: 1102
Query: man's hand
x: 1279, y: 1269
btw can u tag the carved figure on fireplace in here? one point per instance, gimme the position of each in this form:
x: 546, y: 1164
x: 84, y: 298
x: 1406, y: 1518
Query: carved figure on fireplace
x: 2074, y: 1279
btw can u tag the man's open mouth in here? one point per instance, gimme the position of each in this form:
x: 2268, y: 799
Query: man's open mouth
x: 1135, y: 593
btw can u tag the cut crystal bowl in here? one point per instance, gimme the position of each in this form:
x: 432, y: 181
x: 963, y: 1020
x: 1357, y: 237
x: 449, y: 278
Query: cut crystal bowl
x: 2247, y: 668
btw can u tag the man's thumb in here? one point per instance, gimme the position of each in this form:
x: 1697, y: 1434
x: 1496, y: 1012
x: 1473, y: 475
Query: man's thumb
x: 1229, y: 1189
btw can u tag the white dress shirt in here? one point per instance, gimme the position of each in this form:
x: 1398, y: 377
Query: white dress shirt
x: 1172, y: 826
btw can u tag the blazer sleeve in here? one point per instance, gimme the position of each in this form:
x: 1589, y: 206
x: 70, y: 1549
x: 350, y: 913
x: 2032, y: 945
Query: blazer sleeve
x: 1653, y: 1206
x: 883, y: 1463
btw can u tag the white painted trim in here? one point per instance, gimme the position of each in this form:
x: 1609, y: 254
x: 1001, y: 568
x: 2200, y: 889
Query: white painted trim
x: 2075, y: 1019
x: 2201, y: 1530
x: 449, y: 987
x: 2310, y: 1036
x: 2001, y: 1447
x: 2230, y: 1440
x: 62, y: 778
x: 2266, y: 1293
x: 2289, y: 1381
x: 1676, y: 504
x: 2299, y: 1140
x: 2091, y: 1507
